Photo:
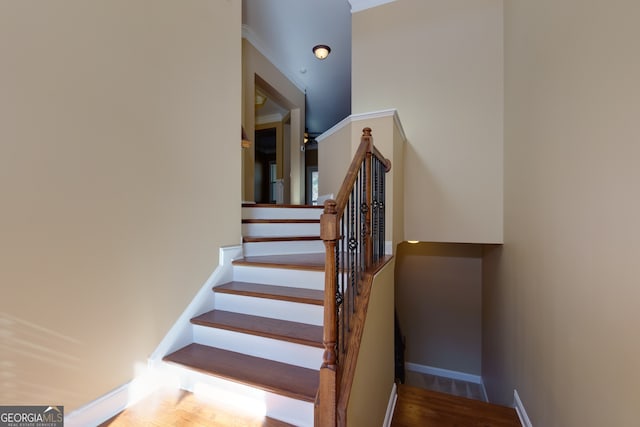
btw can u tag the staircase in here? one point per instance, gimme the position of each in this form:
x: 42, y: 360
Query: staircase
x: 262, y: 342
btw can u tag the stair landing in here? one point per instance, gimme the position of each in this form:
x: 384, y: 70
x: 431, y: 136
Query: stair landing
x: 426, y: 408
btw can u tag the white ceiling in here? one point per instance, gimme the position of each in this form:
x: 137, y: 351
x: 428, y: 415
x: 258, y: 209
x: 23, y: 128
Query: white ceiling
x: 285, y: 31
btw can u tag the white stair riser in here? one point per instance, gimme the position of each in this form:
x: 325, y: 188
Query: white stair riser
x: 306, y: 279
x: 274, y: 309
x: 281, y: 213
x: 281, y: 229
x: 265, y: 348
x: 283, y: 248
x: 293, y: 411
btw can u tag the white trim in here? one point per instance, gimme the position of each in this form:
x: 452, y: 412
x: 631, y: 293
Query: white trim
x: 382, y: 113
x: 269, y: 118
x: 100, y: 410
x: 277, y: 350
x: 522, y: 414
x: 364, y: 116
x: 391, y: 406
x: 484, y: 392
x: 251, y: 37
x: 456, y: 375
x: 360, y: 5
x: 335, y: 128
x: 180, y: 333
x: 374, y: 114
x: 308, y: 279
x: 284, y: 247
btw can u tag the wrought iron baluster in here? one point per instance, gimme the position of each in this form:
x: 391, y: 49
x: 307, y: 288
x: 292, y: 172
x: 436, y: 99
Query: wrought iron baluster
x: 381, y: 207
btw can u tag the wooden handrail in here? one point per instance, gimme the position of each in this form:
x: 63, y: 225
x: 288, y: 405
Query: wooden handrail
x: 352, y: 228
x: 366, y: 146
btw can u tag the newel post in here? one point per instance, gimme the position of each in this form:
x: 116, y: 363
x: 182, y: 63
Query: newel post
x: 328, y: 399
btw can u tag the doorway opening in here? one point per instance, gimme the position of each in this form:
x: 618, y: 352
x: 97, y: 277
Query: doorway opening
x: 265, y: 166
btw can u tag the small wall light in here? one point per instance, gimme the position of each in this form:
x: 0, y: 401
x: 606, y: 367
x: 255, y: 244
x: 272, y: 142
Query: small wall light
x: 413, y: 242
x: 321, y: 51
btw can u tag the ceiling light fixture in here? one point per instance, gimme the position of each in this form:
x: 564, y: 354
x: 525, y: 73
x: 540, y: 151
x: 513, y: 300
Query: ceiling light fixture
x: 261, y: 98
x: 321, y: 51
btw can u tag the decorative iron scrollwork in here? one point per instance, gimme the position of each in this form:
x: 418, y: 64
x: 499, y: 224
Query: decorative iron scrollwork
x: 353, y: 244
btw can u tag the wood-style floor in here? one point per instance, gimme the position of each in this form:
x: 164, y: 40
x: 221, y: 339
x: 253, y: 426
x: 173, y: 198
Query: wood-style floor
x: 426, y: 408
x: 178, y: 408
x: 416, y: 407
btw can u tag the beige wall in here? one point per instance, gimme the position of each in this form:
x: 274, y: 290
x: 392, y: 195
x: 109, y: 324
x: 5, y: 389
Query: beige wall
x: 374, y: 376
x: 561, y: 316
x: 397, y: 185
x: 338, y: 146
x: 119, y: 176
x: 439, y: 305
x: 439, y: 62
x: 275, y: 84
x: 334, y: 158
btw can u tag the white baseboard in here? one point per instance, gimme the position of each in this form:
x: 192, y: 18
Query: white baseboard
x: 391, y: 406
x: 100, y: 410
x: 484, y: 393
x: 522, y: 414
x: 456, y: 375
x: 147, y: 380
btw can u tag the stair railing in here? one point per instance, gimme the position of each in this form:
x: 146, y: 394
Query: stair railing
x: 353, y: 231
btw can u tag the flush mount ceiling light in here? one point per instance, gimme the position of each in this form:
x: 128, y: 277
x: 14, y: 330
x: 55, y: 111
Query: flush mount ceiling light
x: 321, y: 51
x: 261, y: 98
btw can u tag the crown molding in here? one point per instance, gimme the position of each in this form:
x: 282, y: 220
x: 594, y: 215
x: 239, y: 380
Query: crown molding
x: 360, y: 5
x: 364, y: 116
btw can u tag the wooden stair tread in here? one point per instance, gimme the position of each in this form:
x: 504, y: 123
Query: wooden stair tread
x: 283, y: 293
x: 273, y: 205
x: 260, y: 239
x: 300, y: 333
x: 307, y: 261
x: 280, y: 378
x: 280, y: 221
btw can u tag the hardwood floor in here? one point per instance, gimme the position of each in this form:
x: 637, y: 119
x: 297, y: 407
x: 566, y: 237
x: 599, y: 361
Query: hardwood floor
x: 415, y: 408
x: 176, y: 408
x: 425, y: 408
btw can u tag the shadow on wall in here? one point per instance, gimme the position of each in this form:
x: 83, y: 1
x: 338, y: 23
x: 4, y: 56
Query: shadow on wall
x: 439, y: 305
